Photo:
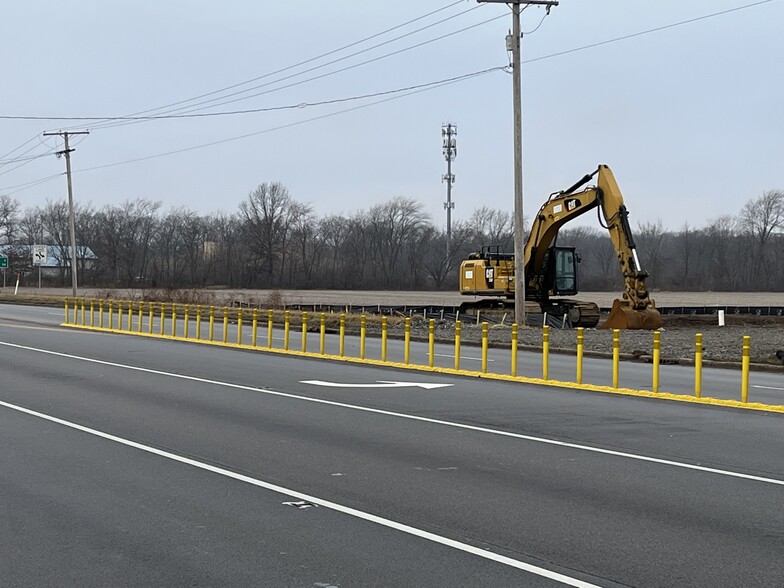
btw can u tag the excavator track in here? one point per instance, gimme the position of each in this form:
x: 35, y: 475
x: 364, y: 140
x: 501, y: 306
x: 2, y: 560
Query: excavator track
x: 579, y: 313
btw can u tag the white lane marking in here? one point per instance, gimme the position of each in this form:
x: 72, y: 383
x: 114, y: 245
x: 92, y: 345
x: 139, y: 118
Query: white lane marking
x: 412, y: 417
x: 305, y: 499
x: 379, y: 384
x: 766, y: 387
x: 15, y: 326
x: 462, y: 357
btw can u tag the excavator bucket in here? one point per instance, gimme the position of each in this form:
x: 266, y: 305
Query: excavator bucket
x: 623, y: 316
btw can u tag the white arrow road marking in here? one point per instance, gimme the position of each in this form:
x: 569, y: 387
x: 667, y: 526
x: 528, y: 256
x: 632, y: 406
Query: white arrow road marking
x: 378, y: 384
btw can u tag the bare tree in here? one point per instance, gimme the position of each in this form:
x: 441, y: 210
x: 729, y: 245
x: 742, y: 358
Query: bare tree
x: 268, y: 214
x: 493, y: 227
x: 650, y: 239
x: 392, y: 226
x: 759, y: 218
x: 9, y: 218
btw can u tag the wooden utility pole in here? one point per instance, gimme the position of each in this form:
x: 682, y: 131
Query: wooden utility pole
x: 513, y: 44
x: 71, y: 220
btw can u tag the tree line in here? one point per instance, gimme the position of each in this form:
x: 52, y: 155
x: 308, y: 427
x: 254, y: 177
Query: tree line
x: 275, y: 241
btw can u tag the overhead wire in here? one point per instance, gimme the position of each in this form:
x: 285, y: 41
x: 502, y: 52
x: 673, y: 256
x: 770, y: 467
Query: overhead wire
x: 223, y: 100
x: 416, y: 90
x: 304, y: 62
x: 297, y: 106
x: 297, y: 123
x: 645, y: 32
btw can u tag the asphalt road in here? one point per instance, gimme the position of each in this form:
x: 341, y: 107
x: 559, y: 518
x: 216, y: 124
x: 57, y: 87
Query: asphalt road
x: 151, y: 462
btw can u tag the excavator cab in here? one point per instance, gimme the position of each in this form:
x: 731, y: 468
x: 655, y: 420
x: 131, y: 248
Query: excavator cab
x: 560, y: 272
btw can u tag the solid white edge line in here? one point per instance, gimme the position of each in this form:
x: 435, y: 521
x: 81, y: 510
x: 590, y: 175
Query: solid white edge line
x: 545, y: 573
x: 412, y: 417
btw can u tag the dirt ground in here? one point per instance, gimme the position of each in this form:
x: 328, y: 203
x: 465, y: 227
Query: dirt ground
x: 390, y: 297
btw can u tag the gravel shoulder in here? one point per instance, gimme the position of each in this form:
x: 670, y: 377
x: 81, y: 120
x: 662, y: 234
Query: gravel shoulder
x: 720, y: 344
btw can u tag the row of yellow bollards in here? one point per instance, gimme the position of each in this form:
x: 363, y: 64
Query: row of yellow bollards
x: 124, y: 313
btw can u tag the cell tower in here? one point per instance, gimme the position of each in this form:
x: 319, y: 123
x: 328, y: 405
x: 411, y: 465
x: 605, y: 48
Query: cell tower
x: 449, y: 136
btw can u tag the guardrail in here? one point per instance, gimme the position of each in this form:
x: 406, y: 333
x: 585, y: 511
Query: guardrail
x: 199, y: 324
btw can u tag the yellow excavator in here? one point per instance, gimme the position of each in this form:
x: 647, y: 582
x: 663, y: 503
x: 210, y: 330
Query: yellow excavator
x: 551, y: 271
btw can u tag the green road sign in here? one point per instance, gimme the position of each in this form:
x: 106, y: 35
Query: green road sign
x: 3, y: 261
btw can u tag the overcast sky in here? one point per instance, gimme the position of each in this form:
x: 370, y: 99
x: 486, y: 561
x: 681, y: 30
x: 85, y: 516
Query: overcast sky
x: 689, y: 117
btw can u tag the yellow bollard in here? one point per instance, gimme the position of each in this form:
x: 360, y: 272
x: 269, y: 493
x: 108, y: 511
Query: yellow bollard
x: 744, y: 382
x: 84, y: 322
x: 152, y: 317
x: 485, y: 328
x: 174, y: 320
x: 225, y: 324
x: 458, y: 329
x: 67, y: 315
x: 119, y: 315
x: 514, y: 349
x: 212, y: 323
x: 431, y: 342
x: 92, y: 312
x: 545, y: 352
x: 286, y: 328
x: 304, y: 332
x: 698, y: 365
x: 198, y: 321
x: 580, y: 351
x: 162, y: 329
x: 342, y: 335
x: 384, y: 334
x: 270, y: 317
x: 141, y: 315
x: 616, y: 356
x: 656, y: 359
x: 407, y: 341
x: 362, y: 335
x: 255, y: 329
x: 111, y: 315
x: 187, y: 320
x: 100, y: 313
x: 322, y: 332
x: 130, y: 316
x: 239, y: 326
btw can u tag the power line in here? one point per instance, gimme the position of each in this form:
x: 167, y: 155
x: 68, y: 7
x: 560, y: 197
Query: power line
x: 223, y: 100
x: 33, y: 138
x: 290, y: 67
x: 28, y: 185
x: 297, y: 123
x: 641, y: 33
x: 298, y: 106
x: 292, y: 124
x: 442, y: 83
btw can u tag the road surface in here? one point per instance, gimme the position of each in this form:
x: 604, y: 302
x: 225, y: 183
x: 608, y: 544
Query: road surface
x: 131, y: 461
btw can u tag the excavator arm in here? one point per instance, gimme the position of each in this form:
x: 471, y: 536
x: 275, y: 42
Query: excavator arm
x: 636, y: 310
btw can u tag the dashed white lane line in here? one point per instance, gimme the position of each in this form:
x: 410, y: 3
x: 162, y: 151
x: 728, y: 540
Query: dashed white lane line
x: 766, y: 387
x: 412, y: 417
x: 508, y: 561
